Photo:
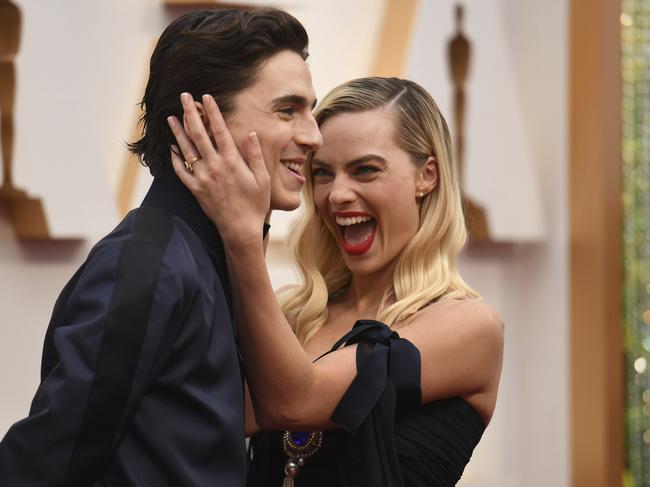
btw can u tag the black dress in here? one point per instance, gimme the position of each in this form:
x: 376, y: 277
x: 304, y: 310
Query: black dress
x: 387, y: 438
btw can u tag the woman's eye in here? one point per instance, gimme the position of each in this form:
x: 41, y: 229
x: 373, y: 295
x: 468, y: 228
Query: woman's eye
x: 319, y: 172
x: 366, y: 170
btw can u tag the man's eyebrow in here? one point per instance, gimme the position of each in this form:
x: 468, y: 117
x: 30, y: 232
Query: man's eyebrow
x: 293, y: 99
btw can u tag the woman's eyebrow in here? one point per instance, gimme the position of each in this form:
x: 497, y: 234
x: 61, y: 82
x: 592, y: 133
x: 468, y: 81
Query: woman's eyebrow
x: 354, y: 162
x: 318, y: 162
x: 366, y: 158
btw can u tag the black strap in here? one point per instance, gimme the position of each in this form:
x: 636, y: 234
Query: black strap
x: 381, y: 356
x: 119, y: 353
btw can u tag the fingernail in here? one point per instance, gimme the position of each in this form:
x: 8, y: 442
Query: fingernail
x: 206, y: 98
x: 171, y: 121
x: 252, y: 137
x: 185, y: 97
x: 175, y: 149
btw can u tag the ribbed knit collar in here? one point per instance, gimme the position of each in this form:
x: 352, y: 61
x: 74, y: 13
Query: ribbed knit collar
x: 170, y: 194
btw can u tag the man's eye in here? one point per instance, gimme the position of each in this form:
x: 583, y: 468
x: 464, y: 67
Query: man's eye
x: 289, y: 111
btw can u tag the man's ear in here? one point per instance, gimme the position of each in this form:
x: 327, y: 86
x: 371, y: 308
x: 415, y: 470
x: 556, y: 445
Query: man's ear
x: 204, y: 116
x: 427, y: 178
x: 204, y: 119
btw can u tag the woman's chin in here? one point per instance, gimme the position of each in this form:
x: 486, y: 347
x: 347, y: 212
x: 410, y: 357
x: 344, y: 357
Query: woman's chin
x: 359, y: 266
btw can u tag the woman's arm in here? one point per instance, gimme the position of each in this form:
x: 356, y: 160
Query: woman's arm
x: 288, y: 390
x: 251, y: 426
x: 460, y: 344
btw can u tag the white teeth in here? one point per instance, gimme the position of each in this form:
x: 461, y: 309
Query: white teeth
x: 294, y: 166
x: 351, y: 220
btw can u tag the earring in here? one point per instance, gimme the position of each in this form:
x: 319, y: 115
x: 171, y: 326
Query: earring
x: 420, y: 195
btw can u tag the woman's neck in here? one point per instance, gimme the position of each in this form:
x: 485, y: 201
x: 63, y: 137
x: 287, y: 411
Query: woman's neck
x: 366, y: 291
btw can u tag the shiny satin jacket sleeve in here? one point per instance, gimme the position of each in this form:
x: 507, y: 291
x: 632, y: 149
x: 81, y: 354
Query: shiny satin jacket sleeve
x: 94, y: 370
x: 387, y: 383
x: 140, y: 375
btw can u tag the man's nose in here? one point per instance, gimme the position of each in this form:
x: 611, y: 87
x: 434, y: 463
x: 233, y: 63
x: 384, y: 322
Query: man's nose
x: 308, y: 134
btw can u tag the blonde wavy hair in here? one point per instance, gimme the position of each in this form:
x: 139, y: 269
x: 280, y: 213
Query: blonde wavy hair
x: 426, y: 269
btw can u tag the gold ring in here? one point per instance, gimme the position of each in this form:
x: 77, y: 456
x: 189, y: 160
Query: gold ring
x: 189, y: 164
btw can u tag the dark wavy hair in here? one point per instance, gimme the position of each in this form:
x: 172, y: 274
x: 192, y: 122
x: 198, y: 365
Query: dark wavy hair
x: 217, y: 52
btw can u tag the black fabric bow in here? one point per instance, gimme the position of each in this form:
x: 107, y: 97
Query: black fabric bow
x: 382, y: 356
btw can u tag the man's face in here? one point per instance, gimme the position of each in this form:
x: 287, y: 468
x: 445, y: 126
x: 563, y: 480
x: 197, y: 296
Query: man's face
x: 278, y: 107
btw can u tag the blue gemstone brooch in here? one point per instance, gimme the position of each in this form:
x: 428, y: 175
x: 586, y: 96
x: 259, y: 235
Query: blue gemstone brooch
x: 298, y: 445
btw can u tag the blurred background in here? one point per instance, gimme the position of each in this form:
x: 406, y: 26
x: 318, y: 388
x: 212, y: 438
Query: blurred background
x: 555, y: 127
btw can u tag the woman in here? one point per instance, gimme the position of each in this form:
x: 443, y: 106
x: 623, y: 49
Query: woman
x: 377, y: 245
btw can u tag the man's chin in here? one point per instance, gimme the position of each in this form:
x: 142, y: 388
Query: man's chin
x: 286, y: 203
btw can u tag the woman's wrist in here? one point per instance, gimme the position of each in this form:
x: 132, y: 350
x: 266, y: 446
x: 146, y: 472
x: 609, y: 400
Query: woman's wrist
x: 245, y: 246
x: 234, y: 235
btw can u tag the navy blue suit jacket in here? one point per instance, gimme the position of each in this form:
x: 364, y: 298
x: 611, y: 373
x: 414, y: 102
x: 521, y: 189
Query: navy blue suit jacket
x: 141, y: 382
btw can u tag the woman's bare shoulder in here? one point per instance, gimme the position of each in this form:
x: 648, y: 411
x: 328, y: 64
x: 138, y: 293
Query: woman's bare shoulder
x: 461, y: 348
x: 473, y: 320
x: 457, y: 311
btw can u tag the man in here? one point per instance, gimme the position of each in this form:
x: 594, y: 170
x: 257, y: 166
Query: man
x: 141, y: 381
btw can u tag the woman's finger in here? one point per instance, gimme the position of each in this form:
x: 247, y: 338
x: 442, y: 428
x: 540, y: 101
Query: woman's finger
x: 197, y: 132
x: 188, y: 151
x: 179, y: 168
x: 204, y: 119
x: 220, y: 132
x: 255, y: 159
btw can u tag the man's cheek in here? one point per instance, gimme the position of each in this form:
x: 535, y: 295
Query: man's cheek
x: 270, y: 166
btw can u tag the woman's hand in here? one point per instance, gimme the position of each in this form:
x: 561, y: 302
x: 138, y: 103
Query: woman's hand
x: 234, y: 191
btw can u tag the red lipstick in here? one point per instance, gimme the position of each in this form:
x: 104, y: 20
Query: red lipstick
x: 357, y: 247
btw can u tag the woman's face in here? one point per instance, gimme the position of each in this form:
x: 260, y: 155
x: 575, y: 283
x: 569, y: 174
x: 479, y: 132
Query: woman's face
x: 365, y: 188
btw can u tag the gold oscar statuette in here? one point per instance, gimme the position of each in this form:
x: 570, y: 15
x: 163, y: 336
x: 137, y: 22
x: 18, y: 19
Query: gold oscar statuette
x: 27, y: 214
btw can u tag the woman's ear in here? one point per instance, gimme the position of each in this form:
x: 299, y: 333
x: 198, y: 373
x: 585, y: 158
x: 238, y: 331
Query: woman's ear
x: 427, y: 178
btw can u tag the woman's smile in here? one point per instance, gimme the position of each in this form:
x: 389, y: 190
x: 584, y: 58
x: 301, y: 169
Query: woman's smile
x: 357, y: 231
